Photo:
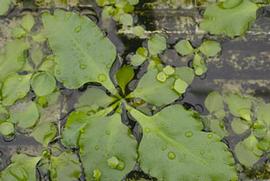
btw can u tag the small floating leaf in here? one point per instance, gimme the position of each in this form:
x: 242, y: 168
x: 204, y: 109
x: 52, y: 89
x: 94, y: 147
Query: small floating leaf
x: 199, y: 65
x: 168, y: 70
x: 180, y: 86
x: 184, y: 73
x: 25, y: 115
x: 247, y: 152
x: 12, y: 58
x: 6, y: 128
x: 210, y: 48
x: 184, y: 47
x: 43, y: 83
x: 214, y: 102
x: 28, y: 22
x: 15, y: 87
x: 156, y: 44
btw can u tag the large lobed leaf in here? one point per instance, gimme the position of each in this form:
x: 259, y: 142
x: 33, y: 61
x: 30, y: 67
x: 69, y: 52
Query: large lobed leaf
x: 83, y: 53
x: 173, y: 147
x: 107, y: 147
x: 231, y: 18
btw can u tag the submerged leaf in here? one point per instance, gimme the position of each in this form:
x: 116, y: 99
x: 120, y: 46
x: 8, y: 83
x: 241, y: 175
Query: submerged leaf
x: 77, y: 42
x: 173, y: 147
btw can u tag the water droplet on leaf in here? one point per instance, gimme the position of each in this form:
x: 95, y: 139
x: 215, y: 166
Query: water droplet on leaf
x: 147, y: 130
x: 171, y: 155
x: 210, y: 135
x: 83, y: 66
x: 188, y: 134
x: 115, y: 163
x: 96, y: 147
x: 102, y: 77
x: 78, y: 29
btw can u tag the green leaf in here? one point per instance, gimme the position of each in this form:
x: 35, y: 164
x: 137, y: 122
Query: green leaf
x: 18, y: 32
x: 28, y: 22
x: 73, y: 128
x: 210, y: 48
x: 156, y: 44
x: 45, y: 132
x: 94, y: 98
x: 6, y: 128
x: 22, y: 168
x: 107, y: 147
x: 12, y: 58
x: 239, y: 126
x: 15, y: 87
x: 25, y: 114
x: 214, y: 102
x: 230, y: 21
x: 180, y: 86
x: 247, y: 152
x: 263, y: 113
x: 66, y: 167
x: 46, y: 128
x: 173, y: 147
x: 4, y: 6
x: 239, y: 106
x: 139, y: 57
x: 153, y: 91
x: 82, y: 53
x: 216, y: 125
x: 126, y: 19
x: 124, y: 75
x: 43, y: 83
x: 184, y: 47
x: 184, y: 73
x: 199, y: 65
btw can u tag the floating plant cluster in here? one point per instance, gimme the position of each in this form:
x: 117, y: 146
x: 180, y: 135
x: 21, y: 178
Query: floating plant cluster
x: 127, y: 119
